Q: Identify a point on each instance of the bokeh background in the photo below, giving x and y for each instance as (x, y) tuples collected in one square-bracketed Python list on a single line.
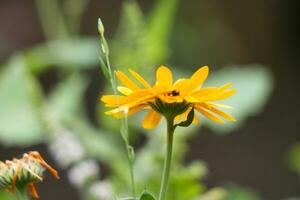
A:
[(259, 155)]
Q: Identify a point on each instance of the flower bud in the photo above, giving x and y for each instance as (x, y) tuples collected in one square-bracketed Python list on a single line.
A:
[(23, 173), (100, 26)]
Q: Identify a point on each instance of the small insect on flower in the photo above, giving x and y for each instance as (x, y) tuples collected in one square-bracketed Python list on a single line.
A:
[(23, 173), (173, 100)]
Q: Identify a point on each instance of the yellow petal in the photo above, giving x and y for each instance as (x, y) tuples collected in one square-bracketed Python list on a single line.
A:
[(164, 77), (187, 86), (126, 81), (223, 95), (151, 119), (199, 77), (183, 117), (207, 90), (219, 105), (184, 86), (219, 112), (114, 100), (191, 99), (124, 90), (196, 119), (140, 78), (226, 86), (122, 113), (209, 115), (132, 101), (205, 94), (140, 97), (128, 106), (140, 93)]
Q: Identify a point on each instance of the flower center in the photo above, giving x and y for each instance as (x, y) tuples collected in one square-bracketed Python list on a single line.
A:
[(174, 93)]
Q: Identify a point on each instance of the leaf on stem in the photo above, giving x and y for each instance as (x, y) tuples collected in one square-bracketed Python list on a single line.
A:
[(147, 196), (189, 119)]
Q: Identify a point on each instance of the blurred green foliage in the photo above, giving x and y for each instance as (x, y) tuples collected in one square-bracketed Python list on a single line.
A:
[(6, 196), (240, 193), (141, 42), (67, 55), (294, 158), (17, 91), (66, 99), (215, 194)]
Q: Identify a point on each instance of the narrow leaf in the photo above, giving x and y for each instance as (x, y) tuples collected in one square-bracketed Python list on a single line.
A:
[(147, 196), (189, 119)]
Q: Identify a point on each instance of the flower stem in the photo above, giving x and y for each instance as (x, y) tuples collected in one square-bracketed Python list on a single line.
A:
[(167, 164), (124, 124), (132, 178), (22, 194), (130, 153)]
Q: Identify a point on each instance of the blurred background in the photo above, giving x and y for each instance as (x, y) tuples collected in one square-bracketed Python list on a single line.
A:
[(50, 83)]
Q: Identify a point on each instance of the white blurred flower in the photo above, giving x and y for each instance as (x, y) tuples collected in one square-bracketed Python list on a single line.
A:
[(102, 190), (83, 171), (66, 148)]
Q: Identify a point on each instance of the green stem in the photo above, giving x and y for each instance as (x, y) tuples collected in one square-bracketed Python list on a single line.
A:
[(168, 159), (22, 194), (131, 175), (124, 125), (130, 154)]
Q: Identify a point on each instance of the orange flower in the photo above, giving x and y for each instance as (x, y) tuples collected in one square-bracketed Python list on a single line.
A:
[(166, 97), (24, 172)]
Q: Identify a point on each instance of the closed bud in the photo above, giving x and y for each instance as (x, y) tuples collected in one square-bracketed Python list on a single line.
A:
[(23, 173), (100, 26)]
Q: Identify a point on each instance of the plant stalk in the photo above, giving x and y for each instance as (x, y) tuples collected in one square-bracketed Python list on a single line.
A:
[(124, 128), (131, 169), (130, 156), (22, 194), (168, 159)]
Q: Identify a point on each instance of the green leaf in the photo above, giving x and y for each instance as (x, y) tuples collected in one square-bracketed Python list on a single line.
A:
[(184, 183), (189, 119), (147, 196), (124, 129), (130, 38), (147, 40), (294, 157), (104, 68), (131, 154), (254, 85), (19, 98), (240, 193), (66, 54), (161, 21), (66, 99)]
